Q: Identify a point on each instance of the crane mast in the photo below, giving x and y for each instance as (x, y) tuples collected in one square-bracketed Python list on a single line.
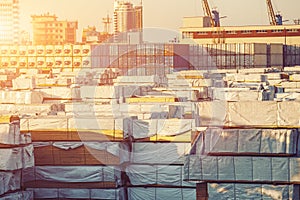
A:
[(275, 19), (207, 12)]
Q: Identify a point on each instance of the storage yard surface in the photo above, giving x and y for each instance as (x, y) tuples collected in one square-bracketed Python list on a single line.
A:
[(92, 133)]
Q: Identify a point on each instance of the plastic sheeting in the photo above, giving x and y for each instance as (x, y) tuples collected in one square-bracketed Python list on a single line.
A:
[(47, 193), (249, 114), (138, 193), (44, 123), (72, 174), (224, 95), (64, 123), (159, 153), (241, 168), (21, 195), (10, 181), (253, 191), (21, 97), (16, 158), (109, 92), (60, 93), (161, 127), (247, 141), (115, 148), (171, 175), (10, 134)]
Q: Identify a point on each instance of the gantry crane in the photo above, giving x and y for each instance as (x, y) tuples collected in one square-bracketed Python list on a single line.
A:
[(275, 19)]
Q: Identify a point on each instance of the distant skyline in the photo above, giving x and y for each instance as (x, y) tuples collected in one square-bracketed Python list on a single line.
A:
[(165, 14)]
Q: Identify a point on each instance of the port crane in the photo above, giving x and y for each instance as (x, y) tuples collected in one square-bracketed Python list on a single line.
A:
[(213, 14), (275, 19)]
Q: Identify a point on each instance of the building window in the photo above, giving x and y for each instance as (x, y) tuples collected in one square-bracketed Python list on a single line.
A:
[(292, 30), (277, 31), (261, 31), (246, 32), (231, 32)]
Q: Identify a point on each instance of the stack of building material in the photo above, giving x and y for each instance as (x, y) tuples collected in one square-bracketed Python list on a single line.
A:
[(190, 85), (153, 80), (16, 153), (155, 170), (109, 93), (60, 93), (157, 148), (257, 156), (75, 157)]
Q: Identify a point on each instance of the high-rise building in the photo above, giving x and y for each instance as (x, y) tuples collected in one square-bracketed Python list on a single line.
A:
[(127, 17), (47, 30), (9, 21)]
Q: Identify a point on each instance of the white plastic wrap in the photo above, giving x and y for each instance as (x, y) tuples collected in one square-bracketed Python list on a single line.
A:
[(248, 141), (10, 181), (71, 174), (16, 158), (159, 153), (45, 193), (138, 193), (252, 191), (171, 175), (10, 134), (243, 168), (160, 127), (20, 195)]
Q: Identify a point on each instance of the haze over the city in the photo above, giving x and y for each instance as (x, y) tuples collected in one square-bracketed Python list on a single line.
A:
[(158, 13)]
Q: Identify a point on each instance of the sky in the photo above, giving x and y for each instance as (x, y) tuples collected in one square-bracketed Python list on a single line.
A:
[(165, 14)]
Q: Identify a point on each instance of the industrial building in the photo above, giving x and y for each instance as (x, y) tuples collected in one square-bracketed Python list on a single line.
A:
[(9, 22), (47, 30), (208, 29)]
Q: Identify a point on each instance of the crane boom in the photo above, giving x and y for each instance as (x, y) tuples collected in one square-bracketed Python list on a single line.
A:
[(207, 12), (271, 13)]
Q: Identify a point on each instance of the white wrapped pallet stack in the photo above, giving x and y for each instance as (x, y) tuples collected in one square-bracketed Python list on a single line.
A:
[(16, 153)]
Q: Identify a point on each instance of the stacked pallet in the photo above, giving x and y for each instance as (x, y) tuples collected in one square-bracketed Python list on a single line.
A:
[(74, 158), (242, 151), (157, 148), (16, 153)]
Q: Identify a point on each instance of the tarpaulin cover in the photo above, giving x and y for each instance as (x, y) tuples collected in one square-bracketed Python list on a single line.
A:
[(10, 181), (222, 94), (161, 127), (47, 193), (16, 158), (20, 195), (44, 123), (21, 97), (242, 168), (109, 92), (71, 174), (115, 148), (159, 153), (171, 175), (138, 193), (249, 114), (61, 92), (10, 134), (252, 191), (247, 141)]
